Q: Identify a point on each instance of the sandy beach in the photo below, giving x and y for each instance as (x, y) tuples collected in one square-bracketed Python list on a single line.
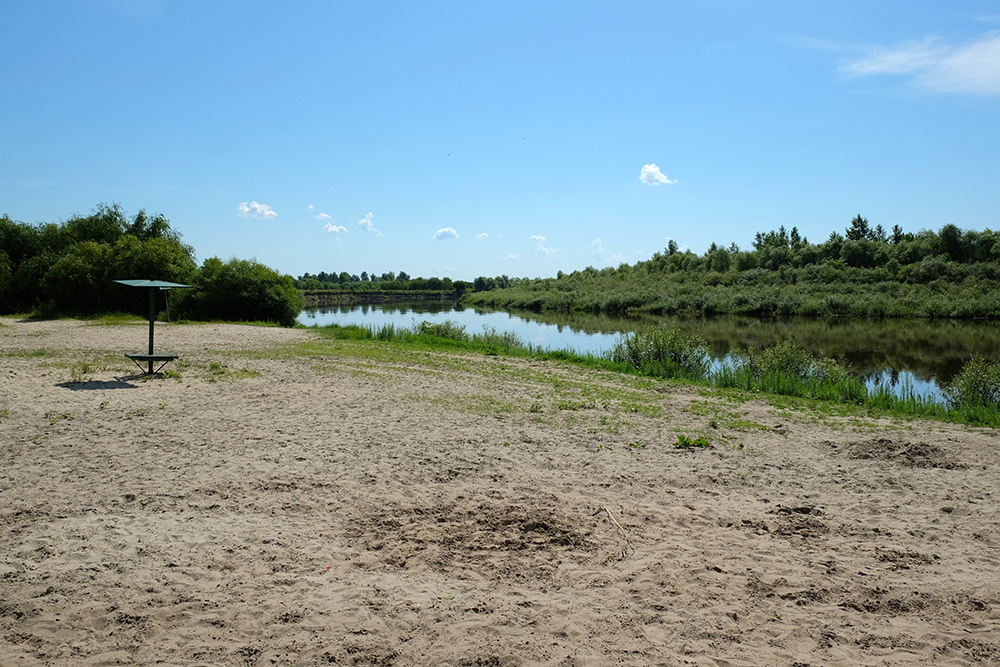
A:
[(279, 499)]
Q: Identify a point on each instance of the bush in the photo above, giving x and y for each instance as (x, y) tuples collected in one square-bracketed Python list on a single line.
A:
[(497, 342), (447, 329), (789, 370), (241, 290), (663, 353), (976, 385)]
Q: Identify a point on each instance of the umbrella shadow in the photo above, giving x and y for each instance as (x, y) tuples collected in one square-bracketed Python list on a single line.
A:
[(88, 385)]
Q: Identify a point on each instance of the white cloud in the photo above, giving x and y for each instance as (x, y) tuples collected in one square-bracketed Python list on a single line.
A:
[(484, 235), (548, 252), (255, 210), (323, 216), (597, 247), (542, 249), (310, 208), (650, 174), (446, 233), (334, 229), (968, 68), (512, 257), (366, 223)]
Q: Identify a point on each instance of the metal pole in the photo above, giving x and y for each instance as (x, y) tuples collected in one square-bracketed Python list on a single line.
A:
[(152, 316)]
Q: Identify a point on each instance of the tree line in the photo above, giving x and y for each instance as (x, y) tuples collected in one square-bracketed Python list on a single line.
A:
[(373, 282), (865, 271), (386, 282), (70, 268)]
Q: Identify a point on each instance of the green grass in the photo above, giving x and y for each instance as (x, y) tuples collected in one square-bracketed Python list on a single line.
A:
[(478, 405), (684, 442), (786, 375), (115, 319), (39, 352)]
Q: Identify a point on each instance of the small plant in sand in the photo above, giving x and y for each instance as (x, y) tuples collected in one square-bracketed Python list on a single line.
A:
[(220, 371), (684, 442), (80, 371), (54, 415)]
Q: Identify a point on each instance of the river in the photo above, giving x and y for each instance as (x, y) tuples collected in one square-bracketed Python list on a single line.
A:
[(926, 353)]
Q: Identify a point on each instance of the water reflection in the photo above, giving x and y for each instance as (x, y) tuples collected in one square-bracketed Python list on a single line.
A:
[(924, 352)]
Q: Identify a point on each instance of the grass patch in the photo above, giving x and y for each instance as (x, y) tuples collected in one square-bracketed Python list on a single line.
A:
[(218, 370), (685, 442), (822, 386), (478, 405), (29, 354), (55, 416), (111, 319)]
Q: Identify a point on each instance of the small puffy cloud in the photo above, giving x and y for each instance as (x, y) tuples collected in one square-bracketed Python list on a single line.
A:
[(484, 235), (937, 66), (446, 233), (542, 248), (255, 210), (366, 224), (334, 229), (598, 249), (310, 208), (323, 216), (512, 257), (650, 174)]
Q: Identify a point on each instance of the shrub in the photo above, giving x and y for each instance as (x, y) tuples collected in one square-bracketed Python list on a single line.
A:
[(241, 290), (447, 329), (976, 385), (498, 341), (664, 353)]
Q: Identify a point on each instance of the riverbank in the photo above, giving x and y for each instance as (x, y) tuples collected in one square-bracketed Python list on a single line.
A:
[(287, 499), (326, 298)]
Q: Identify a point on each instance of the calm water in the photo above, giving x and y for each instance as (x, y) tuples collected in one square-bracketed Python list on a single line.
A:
[(926, 353)]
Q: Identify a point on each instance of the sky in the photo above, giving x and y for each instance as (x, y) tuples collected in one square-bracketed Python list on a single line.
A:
[(462, 139)]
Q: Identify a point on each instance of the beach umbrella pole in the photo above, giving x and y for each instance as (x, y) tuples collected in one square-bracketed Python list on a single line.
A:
[(152, 317)]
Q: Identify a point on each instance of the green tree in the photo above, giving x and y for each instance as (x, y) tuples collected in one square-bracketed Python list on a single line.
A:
[(859, 229), (105, 225), (77, 282), (951, 242), (241, 290)]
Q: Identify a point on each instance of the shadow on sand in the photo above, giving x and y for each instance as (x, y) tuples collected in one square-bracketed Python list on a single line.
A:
[(124, 382)]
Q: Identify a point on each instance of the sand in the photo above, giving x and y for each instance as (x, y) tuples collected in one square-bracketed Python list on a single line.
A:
[(380, 507)]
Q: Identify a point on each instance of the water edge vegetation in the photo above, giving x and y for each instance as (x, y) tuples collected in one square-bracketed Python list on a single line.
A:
[(785, 369)]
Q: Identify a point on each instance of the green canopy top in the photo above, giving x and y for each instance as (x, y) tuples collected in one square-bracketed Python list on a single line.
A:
[(162, 284), (153, 285)]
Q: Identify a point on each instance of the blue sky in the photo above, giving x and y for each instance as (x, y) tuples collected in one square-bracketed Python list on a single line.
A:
[(521, 138)]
